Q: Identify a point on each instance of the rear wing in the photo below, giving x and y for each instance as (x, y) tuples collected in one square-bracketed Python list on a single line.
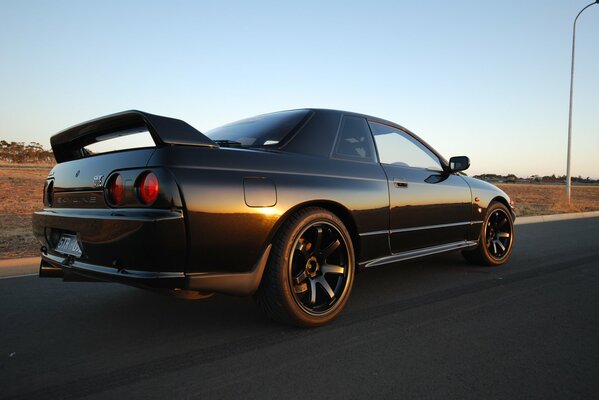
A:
[(69, 144)]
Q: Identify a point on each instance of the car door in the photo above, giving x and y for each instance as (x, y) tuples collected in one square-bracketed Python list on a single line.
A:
[(428, 206)]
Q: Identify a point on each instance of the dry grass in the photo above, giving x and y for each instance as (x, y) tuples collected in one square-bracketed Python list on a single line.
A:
[(539, 199), (21, 194)]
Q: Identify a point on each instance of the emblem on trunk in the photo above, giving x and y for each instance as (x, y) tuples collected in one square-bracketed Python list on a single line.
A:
[(98, 180)]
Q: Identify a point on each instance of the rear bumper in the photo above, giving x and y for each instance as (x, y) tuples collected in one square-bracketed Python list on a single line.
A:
[(68, 265), (137, 247), (113, 240), (240, 284)]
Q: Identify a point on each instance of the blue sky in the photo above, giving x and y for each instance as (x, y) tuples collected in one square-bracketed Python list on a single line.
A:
[(486, 79)]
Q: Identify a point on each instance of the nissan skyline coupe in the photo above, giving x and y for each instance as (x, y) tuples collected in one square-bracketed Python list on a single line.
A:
[(286, 207)]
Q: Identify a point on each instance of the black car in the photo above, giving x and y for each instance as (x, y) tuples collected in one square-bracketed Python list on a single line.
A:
[(284, 206)]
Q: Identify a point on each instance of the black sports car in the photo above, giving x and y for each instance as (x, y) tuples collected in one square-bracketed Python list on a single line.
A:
[(284, 206)]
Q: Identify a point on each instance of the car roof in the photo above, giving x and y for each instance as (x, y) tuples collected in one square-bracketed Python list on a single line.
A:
[(357, 114)]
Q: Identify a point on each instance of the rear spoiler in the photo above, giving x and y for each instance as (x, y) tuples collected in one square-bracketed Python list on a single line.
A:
[(68, 144)]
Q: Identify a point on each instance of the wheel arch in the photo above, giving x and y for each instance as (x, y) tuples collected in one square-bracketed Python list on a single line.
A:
[(334, 207), (505, 202)]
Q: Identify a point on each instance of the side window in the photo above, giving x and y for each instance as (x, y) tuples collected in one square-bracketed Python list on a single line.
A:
[(397, 147), (355, 140)]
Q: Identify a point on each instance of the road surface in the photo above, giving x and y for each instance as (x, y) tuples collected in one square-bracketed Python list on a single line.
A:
[(433, 328)]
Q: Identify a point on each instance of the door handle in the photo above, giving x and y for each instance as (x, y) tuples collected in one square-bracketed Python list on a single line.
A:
[(400, 183)]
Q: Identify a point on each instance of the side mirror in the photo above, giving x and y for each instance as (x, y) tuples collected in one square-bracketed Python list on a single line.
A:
[(459, 163)]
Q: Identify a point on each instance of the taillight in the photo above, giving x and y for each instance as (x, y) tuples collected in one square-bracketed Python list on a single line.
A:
[(48, 192), (116, 189), (147, 188)]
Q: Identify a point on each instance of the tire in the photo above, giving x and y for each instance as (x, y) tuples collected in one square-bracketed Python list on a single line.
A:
[(310, 271), (496, 238)]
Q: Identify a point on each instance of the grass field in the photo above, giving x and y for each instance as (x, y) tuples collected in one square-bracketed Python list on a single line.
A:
[(540, 199), (21, 194)]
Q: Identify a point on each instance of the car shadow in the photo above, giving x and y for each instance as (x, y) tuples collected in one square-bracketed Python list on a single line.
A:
[(131, 309)]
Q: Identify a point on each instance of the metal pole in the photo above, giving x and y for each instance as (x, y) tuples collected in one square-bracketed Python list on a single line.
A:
[(568, 175)]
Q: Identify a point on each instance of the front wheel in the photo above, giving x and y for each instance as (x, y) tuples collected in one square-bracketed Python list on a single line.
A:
[(310, 271), (496, 237)]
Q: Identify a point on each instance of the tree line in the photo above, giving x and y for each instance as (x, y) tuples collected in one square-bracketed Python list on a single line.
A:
[(512, 178), (19, 152)]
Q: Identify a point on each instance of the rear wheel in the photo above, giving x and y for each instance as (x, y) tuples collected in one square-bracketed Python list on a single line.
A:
[(496, 237), (310, 271)]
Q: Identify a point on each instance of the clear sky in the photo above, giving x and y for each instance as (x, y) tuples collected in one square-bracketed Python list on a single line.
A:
[(487, 79)]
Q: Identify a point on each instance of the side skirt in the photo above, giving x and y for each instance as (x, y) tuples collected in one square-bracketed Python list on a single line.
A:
[(408, 255)]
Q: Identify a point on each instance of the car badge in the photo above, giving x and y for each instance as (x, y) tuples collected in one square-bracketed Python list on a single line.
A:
[(98, 180)]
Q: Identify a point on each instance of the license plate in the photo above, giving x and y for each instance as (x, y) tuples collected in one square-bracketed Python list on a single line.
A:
[(68, 245)]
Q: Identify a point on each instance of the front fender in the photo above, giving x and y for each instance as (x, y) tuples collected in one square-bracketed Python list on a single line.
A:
[(483, 193)]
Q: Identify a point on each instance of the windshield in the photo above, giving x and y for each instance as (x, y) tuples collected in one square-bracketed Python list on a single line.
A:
[(262, 130)]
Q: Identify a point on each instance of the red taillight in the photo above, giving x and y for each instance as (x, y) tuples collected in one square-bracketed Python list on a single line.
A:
[(147, 188), (116, 190), (48, 192)]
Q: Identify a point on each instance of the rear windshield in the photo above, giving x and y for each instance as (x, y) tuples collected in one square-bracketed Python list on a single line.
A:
[(262, 130), (122, 140)]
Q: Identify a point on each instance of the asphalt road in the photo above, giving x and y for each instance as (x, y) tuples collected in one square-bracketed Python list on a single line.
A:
[(434, 328)]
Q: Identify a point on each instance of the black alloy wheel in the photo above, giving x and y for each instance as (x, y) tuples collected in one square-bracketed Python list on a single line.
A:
[(319, 268), (498, 235), (310, 270), (496, 238)]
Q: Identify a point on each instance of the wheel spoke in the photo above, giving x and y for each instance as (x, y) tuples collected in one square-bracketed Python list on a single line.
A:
[(503, 235), (330, 249), (500, 245), (494, 247), (332, 269), (325, 285), (301, 288), (318, 242), (301, 247), (300, 277), (312, 291)]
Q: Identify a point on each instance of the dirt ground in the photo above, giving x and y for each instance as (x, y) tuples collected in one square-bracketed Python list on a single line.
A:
[(21, 194), (539, 199)]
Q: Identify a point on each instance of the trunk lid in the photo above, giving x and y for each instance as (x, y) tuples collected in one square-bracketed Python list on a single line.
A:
[(90, 173), (80, 183)]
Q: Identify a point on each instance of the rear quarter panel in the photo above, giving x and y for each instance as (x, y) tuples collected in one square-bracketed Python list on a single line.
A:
[(225, 234)]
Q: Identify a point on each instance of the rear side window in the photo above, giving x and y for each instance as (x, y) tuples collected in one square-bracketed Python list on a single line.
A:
[(355, 140), (262, 130)]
